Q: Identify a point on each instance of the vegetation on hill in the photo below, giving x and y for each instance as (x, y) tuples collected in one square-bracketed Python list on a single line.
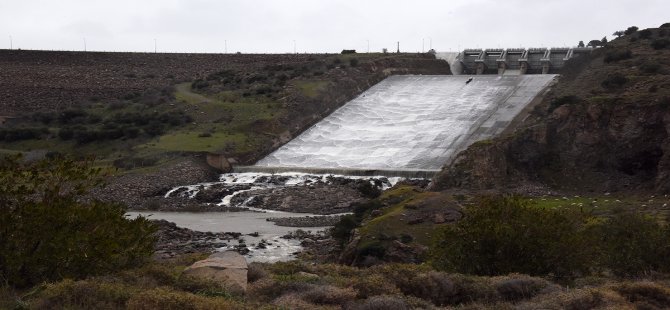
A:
[(602, 127), (298, 285), (48, 231), (243, 108)]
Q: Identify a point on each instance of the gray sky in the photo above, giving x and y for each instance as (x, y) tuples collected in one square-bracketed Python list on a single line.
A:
[(316, 25)]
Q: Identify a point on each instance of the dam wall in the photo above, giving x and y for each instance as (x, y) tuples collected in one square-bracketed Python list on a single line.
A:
[(511, 61), (406, 125)]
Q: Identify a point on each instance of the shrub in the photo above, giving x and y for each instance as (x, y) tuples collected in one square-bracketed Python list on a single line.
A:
[(666, 25), (614, 81), (631, 30), (162, 298), (570, 99), (353, 62), (645, 34), (342, 229), (56, 234), (650, 294), (505, 234), (516, 287), (633, 244), (199, 84), (383, 303), (18, 134), (660, 43), (617, 55), (66, 133), (256, 272), (86, 294), (444, 289), (650, 67), (328, 295)]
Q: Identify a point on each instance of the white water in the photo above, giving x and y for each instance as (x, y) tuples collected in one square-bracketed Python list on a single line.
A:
[(409, 123), (255, 220), (402, 123)]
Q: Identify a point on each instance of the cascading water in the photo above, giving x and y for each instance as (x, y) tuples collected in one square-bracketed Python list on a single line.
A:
[(404, 126), (407, 124)]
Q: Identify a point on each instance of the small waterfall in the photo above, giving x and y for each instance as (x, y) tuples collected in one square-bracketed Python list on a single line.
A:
[(452, 59)]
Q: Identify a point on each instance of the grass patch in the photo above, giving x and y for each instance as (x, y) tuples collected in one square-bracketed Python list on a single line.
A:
[(310, 88)]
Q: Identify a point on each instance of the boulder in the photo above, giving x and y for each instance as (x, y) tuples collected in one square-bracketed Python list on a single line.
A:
[(229, 269)]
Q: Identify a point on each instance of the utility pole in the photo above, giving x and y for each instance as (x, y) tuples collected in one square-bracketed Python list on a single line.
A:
[(368, 46), (11, 44), (84, 44), (155, 47), (423, 45), (398, 47), (225, 46), (295, 50), (431, 42)]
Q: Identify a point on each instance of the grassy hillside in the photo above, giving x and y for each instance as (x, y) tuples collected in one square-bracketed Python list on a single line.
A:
[(142, 110)]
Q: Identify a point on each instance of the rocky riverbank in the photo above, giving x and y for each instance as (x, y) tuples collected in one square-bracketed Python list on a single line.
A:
[(173, 240), (307, 221)]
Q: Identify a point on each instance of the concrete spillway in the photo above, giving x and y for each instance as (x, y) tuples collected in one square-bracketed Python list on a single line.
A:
[(407, 125)]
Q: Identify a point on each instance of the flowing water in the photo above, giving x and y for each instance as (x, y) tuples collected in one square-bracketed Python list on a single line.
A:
[(255, 220), (409, 123), (405, 125)]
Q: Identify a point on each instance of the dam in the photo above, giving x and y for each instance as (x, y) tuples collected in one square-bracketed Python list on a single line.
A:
[(512, 61), (407, 126)]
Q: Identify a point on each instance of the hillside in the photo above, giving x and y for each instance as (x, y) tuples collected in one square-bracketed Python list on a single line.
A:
[(52, 99), (154, 116), (603, 127)]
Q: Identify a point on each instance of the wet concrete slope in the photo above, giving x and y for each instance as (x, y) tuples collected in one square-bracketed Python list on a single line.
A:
[(407, 125)]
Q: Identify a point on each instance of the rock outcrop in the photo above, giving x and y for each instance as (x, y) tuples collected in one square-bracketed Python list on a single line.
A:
[(229, 269)]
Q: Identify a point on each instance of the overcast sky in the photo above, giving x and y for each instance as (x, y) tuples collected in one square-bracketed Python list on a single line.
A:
[(316, 25)]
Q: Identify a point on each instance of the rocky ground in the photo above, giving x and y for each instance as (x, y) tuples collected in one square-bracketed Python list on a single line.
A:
[(139, 190), (307, 221), (319, 198), (173, 240)]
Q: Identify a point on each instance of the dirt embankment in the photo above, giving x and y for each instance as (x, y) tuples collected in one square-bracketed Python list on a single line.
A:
[(603, 127), (46, 80)]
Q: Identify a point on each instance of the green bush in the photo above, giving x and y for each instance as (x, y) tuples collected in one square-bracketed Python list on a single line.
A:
[(617, 55), (660, 43), (501, 235), (18, 134), (633, 244), (645, 34), (48, 232), (650, 68), (631, 30)]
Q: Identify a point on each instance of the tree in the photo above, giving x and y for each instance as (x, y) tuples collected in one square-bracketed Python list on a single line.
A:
[(603, 41), (618, 33), (581, 44), (631, 30), (595, 43), (50, 230)]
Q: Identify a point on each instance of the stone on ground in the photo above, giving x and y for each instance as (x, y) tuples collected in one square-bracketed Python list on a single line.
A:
[(229, 269)]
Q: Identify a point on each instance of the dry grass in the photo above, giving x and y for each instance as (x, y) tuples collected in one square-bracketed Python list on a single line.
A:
[(296, 285)]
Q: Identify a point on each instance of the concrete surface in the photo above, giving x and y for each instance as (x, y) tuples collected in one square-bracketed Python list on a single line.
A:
[(408, 123)]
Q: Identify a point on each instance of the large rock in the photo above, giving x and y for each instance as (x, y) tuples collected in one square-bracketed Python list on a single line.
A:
[(229, 269)]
